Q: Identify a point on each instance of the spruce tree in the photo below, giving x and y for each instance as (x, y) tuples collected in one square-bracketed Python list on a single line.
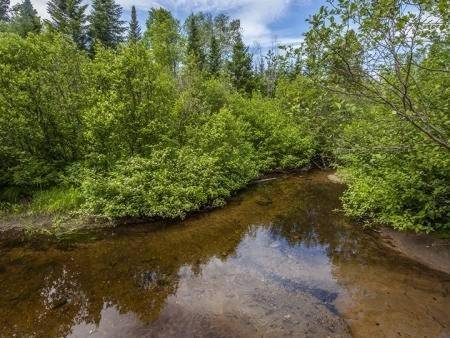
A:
[(4, 9), (68, 17), (214, 57), (105, 25), (25, 19), (134, 31), (240, 67), (194, 45)]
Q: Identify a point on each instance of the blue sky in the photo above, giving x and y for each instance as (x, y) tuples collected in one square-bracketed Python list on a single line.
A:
[(262, 20)]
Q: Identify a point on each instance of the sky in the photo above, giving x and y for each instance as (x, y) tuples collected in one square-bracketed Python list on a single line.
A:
[(262, 21)]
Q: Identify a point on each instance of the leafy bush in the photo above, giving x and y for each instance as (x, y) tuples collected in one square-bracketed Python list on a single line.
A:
[(321, 115), (42, 96), (279, 141), (130, 103), (395, 177), (172, 182)]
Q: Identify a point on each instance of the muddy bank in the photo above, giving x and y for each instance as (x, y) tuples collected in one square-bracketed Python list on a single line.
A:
[(15, 226), (23, 227), (427, 249)]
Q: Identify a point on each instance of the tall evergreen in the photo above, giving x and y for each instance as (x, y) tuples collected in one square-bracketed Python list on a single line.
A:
[(105, 25), (4, 9), (214, 57), (68, 17), (194, 45), (134, 31), (25, 19), (240, 67)]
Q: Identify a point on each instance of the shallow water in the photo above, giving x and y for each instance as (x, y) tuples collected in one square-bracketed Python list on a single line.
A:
[(279, 260)]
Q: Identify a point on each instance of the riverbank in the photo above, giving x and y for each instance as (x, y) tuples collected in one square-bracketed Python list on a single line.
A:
[(427, 249), (24, 226), (21, 224)]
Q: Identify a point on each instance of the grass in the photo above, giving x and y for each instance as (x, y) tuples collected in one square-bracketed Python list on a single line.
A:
[(56, 200)]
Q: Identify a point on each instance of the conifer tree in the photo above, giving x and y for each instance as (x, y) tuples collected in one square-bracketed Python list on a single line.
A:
[(68, 17), (134, 31), (240, 67), (194, 44), (25, 19), (214, 59), (105, 25), (4, 9)]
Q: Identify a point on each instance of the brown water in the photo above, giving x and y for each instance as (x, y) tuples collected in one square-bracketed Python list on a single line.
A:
[(277, 261)]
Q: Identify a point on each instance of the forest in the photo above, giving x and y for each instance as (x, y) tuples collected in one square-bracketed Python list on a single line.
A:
[(104, 118)]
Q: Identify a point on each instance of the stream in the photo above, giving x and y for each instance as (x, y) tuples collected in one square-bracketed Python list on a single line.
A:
[(280, 260)]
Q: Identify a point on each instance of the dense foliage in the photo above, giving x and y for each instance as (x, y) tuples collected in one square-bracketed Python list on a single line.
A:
[(392, 67), (119, 130), (178, 117)]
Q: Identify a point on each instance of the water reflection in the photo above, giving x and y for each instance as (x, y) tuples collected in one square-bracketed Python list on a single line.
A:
[(277, 261)]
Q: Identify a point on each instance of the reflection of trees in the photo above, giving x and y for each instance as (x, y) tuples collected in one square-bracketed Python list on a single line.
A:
[(317, 221), (46, 292)]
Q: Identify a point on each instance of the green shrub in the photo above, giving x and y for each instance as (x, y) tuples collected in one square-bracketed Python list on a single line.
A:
[(171, 182), (10, 194), (279, 141), (395, 177), (42, 97)]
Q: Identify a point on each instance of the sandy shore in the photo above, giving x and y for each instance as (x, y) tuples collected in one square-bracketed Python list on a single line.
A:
[(426, 249)]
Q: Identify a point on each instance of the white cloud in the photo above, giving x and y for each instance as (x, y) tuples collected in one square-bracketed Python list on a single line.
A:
[(256, 15), (39, 5)]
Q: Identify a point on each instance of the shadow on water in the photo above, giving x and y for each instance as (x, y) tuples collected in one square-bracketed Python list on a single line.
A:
[(278, 260)]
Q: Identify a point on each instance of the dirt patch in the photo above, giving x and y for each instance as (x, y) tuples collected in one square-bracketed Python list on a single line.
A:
[(14, 226), (30, 225), (426, 249)]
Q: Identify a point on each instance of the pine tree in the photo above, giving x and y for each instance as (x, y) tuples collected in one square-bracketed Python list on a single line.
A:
[(194, 45), (68, 17), (240, 67), (134, 31), (214, 59), (105, 26), (25, 19), (4, 9)]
